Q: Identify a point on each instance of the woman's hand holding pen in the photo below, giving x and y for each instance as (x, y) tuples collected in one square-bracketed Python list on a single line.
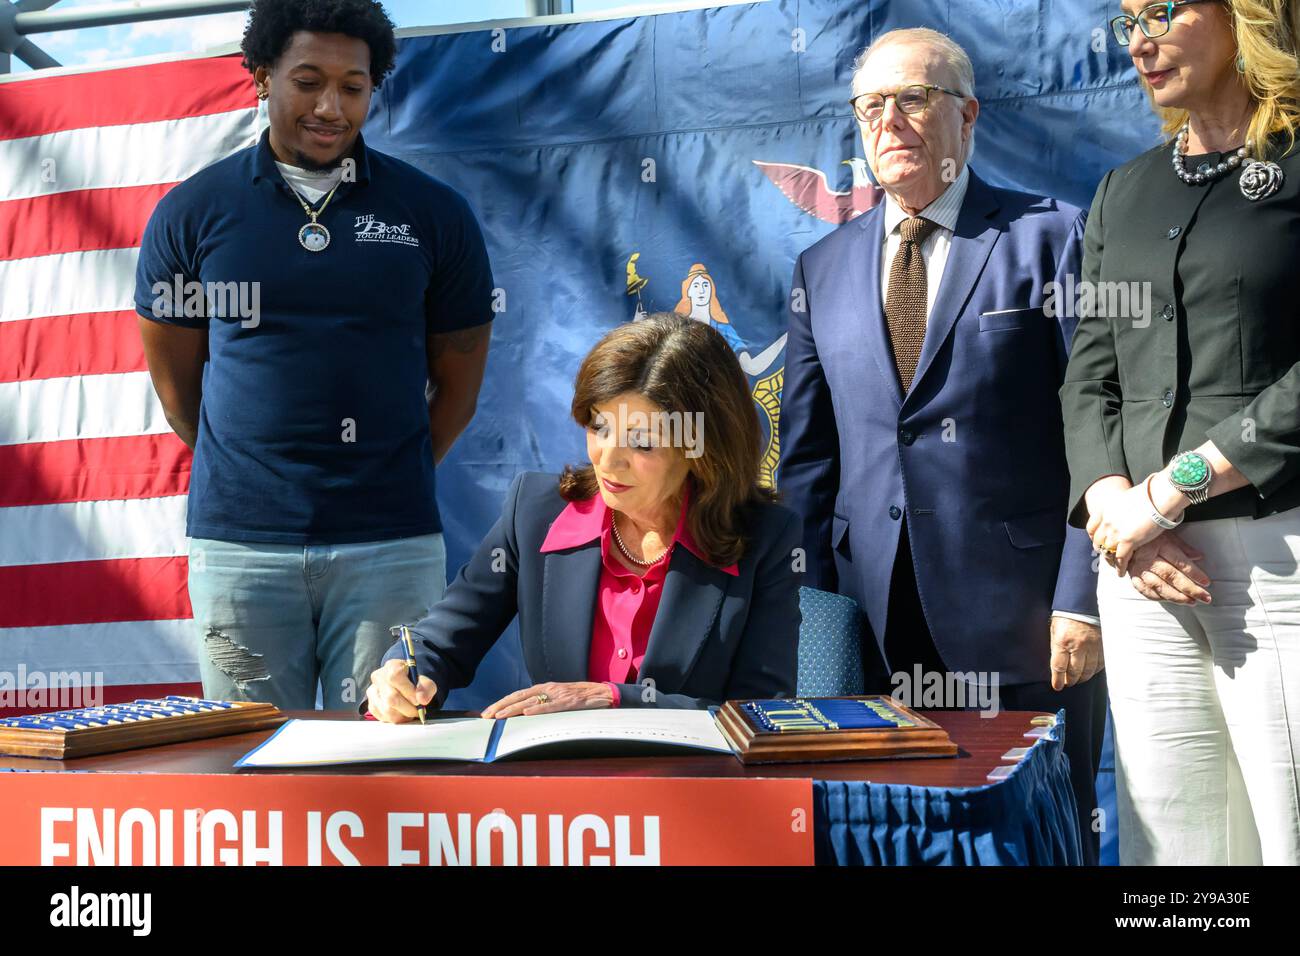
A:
[(392, 697)]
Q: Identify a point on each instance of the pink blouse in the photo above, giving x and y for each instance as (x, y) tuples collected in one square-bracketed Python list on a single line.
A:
[(626, 602)]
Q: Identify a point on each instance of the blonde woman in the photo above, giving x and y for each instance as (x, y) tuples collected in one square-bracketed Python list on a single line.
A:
[(1187, 417)]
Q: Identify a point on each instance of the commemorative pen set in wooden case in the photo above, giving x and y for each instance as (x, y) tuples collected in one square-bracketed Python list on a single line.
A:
[(807, 729), (141, 723)]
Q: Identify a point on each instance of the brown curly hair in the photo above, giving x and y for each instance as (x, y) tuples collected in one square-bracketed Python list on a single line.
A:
[(683, 366)]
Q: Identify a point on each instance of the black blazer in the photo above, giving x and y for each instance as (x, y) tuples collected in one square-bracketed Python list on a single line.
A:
[(715, 637), (1218, 356)]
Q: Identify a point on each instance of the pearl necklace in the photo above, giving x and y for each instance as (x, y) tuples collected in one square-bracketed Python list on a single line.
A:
[(1206, 172), (618, 539), (1259, 179)]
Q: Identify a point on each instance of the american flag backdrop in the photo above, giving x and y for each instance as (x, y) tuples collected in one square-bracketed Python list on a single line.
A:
[(92, 479)]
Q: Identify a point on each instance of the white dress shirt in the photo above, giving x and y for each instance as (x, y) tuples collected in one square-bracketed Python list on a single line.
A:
[(943, 213)]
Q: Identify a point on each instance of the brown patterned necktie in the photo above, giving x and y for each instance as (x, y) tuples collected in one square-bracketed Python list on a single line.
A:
[(906, 299)]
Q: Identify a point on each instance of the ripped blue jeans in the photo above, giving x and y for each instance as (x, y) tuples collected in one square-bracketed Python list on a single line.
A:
[(277, 622)]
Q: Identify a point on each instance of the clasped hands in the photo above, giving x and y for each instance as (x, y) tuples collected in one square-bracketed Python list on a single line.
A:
[(1160, 564), (392, 699)]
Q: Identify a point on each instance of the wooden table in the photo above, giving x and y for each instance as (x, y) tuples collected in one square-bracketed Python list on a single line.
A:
[(982, 742), (687, 808)]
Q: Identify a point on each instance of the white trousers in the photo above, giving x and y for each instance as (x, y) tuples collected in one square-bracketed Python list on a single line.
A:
[(1206, 702)]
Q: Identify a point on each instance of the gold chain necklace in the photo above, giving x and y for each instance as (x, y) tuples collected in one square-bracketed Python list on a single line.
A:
[(313, 236)]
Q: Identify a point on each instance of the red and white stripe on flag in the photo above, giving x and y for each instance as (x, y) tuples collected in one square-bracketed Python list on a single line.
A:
[(92, 479)]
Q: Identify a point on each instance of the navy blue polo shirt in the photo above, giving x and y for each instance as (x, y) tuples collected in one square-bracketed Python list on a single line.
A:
[(314, 427)]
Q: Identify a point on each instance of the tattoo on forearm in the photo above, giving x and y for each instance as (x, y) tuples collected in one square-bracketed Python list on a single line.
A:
[(462, 341)]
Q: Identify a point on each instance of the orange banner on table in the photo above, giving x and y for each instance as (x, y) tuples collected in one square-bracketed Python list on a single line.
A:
[(89, 819)]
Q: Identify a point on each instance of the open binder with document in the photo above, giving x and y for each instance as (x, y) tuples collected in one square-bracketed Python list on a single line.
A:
[(775, 730), (306, 743)]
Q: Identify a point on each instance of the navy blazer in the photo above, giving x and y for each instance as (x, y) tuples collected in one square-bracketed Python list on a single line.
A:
[(972, 458), (715, 637)]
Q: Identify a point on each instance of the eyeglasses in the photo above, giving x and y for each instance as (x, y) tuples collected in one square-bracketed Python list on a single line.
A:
[(1154, 21), (869, 107)]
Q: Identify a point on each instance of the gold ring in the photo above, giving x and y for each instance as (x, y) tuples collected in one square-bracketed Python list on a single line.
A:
[(542, 698)]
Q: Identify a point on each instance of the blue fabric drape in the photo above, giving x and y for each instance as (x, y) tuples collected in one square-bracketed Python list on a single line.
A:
[(1027, 819), (583, 145)]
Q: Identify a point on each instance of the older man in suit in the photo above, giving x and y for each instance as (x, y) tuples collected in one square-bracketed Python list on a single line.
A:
[(921, 431)]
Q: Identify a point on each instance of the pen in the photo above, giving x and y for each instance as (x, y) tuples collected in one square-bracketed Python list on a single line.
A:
[(411, 672)]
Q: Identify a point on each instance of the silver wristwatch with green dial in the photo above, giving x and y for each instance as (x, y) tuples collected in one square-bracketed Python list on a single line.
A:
[(1189, 472)]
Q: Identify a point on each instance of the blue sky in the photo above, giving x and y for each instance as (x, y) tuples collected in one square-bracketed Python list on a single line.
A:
[(105, 44)]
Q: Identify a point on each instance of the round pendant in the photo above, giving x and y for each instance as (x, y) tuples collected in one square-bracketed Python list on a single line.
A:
[(314, 237)]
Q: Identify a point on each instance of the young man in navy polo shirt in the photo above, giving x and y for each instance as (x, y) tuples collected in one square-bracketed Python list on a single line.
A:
[(295, 300)]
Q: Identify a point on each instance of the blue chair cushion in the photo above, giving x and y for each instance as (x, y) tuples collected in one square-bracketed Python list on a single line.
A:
[(830, 645)]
